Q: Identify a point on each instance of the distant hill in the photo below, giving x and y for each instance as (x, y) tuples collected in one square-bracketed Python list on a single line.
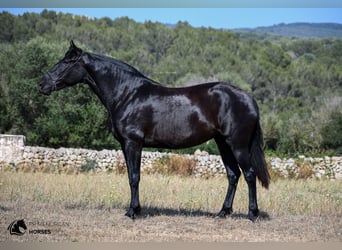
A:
[(302, 30)]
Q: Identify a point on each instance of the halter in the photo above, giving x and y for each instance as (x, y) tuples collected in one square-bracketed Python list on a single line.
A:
[(65, 71)]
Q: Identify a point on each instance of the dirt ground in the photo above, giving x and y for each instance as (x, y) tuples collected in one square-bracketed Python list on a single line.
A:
[(49, 223)]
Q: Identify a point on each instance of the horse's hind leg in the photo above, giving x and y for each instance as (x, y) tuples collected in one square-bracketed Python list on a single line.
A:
[(242, 157), (233, 174)]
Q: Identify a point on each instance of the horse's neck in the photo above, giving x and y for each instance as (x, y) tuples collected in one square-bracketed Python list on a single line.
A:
[(110, 82)]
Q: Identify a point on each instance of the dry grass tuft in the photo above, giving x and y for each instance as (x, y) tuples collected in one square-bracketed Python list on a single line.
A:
[(120, 165), (174, 165), (275, 174), (305, 171), (181, 165)]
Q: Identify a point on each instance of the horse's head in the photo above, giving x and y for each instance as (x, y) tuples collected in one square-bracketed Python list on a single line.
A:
[(22, 224), (66, 72)]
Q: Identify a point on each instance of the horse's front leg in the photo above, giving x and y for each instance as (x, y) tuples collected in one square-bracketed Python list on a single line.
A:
[(132, 151)]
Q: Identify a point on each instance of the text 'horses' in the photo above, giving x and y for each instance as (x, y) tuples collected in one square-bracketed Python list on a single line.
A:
[(143, 113)]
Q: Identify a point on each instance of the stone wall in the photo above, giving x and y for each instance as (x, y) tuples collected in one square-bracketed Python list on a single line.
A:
[(15, 153)]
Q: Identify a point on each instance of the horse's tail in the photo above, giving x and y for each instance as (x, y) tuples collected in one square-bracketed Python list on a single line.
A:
[(258, 158)]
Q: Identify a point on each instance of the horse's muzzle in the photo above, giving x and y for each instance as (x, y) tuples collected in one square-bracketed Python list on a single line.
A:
[(44, 86)]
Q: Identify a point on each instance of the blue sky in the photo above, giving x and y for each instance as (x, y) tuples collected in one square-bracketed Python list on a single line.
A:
[(227, 18)]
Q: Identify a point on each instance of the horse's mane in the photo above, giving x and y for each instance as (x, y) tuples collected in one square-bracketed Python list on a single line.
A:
[(121, 65)]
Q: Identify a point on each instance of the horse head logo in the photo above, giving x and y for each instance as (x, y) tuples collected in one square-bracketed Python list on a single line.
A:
[(17, 227)]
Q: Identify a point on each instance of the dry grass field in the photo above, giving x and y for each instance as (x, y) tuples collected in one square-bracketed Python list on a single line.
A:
[(91, 207)]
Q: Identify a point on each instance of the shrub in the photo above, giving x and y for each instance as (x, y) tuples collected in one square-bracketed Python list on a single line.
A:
[(89, 165)]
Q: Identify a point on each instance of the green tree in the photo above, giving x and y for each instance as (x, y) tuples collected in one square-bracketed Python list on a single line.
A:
[(6, 27), (332, 133)]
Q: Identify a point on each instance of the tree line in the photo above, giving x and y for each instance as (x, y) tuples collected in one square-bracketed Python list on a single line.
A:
[(296, 82)]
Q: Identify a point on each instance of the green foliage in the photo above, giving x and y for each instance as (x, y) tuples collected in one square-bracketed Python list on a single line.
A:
[(291, 79), (75, 118), (89, 165), (332, 133)]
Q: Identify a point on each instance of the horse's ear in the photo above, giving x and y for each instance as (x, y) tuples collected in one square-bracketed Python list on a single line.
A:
[(72, 44), (73, 47)]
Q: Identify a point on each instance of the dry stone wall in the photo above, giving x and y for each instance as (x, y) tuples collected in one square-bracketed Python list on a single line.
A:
[(14, 153)]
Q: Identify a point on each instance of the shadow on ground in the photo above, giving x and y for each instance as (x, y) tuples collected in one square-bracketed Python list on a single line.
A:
[(263, 216), (156, 211)]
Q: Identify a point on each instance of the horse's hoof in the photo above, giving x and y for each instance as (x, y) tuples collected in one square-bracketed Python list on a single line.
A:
[(221, 215), (133, 212), (224, 212), (137, 210), (253, 215), (130, 215)]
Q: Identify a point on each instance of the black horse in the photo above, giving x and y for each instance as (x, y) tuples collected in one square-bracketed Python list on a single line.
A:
[(143, 113)]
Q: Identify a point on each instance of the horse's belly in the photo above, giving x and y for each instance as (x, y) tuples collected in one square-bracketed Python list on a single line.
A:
[(175, 142), (179, 133)]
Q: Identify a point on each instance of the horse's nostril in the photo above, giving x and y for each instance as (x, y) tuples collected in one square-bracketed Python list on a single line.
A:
[(42, 81)]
